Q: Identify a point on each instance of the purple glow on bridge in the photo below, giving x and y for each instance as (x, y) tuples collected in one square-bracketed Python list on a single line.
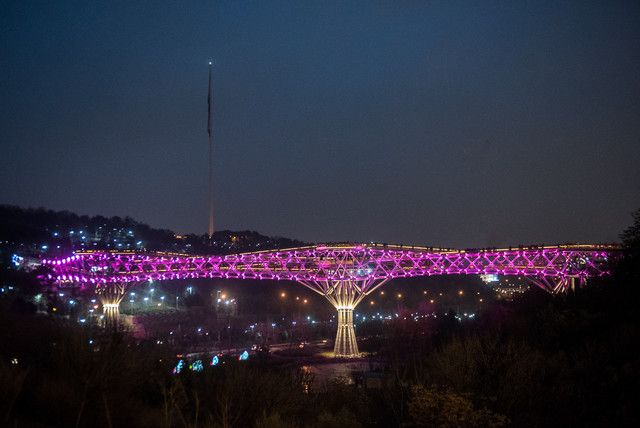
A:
[(344, 274), (334, 263)]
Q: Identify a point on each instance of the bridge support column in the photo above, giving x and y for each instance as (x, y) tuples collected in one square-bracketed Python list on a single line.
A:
[(111, 313), (110, 295), (346, 344), (559, 284), (345, 295)]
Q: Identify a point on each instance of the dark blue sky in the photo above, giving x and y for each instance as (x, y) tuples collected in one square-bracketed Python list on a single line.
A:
[(444, 123)]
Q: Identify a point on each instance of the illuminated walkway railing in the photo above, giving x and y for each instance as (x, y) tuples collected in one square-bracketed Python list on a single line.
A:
[(345, 273)]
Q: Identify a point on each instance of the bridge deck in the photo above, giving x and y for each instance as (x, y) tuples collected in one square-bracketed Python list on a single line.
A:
[(335, 262)]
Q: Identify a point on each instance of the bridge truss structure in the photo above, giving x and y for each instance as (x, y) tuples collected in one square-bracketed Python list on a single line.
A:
[(343, 273)]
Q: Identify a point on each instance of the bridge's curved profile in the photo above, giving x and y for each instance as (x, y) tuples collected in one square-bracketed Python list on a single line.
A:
[(343, 273)]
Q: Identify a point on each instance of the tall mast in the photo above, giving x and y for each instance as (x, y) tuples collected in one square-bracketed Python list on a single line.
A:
[(210, 160)]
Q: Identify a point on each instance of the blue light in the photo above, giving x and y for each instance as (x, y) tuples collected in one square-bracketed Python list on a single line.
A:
[(215, 360), (17, 260), (178, 367), (197, 366), (244, 356)]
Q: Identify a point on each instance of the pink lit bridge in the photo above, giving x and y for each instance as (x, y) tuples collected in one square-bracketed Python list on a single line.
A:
[(343, 273)]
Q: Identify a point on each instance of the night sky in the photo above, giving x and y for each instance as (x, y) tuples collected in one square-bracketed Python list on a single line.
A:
[(440, 123)]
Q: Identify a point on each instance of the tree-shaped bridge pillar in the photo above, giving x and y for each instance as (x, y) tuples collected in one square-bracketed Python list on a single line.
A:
[(110, 295), (558, 284), (346, 344), (345, 295)]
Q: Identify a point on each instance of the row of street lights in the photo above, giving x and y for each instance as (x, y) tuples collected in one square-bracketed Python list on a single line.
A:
[(148, 300)]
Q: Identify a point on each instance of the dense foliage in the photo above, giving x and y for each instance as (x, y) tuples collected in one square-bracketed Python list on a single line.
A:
[(543, 361)]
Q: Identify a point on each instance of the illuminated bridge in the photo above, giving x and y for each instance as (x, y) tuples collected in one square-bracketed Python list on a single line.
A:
[(343, 273)]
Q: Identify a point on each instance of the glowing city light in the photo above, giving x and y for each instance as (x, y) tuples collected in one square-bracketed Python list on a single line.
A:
[(178, 368)]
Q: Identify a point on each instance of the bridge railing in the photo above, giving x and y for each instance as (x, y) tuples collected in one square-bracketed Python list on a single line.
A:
[(334, 262)]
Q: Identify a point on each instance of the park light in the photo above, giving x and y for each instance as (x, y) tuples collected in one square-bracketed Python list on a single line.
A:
[(283, 295)]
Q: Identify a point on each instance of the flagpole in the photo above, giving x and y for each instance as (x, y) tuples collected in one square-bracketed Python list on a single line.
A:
[(210, 160)]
